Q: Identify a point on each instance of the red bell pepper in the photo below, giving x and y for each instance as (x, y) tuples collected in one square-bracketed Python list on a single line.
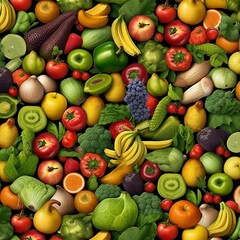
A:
[(178, 58), (92, 163), (74, 41), (198, 36), (149, 171)]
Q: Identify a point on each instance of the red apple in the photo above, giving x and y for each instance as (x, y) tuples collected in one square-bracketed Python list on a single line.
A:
[(141, 28), (233, 205), (50, 172), (165, 13)]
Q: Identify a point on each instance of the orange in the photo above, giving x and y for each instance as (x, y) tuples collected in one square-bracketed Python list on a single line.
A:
[(228, 46), (237, 90), (212, 19), (73, 182), (85, 201), (10, 199)]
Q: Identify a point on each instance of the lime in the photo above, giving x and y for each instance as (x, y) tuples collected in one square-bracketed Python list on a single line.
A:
[(13, 46), (233, 142)]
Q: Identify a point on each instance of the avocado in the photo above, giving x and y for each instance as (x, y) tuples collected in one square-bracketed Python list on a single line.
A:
[(57, 38), (6, 79), (8, 105), (36, 36), (98, 84)]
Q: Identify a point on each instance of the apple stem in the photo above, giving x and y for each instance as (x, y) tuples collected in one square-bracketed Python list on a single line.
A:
[(50, 169), (142, 25)]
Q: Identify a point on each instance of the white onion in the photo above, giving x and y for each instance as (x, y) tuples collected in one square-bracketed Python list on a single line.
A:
[(49, 84), (209, 214)]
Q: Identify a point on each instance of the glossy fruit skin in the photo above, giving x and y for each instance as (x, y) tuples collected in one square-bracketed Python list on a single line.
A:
[(46, 145), (149, 187), (32, 234), (234, 61), (56, 70), (76, 74), (208, 197), (149, 171), (13, 91), (172, 108), (167, 232), (212, 33), (166, 204), (176, 33), (74, 118), (198, 232), (197, 151), (56, 237), (165, 14), (116, 127), (151, 103), (19, 76), (21, 224), (21, 5), (158, 37), (69, 139), (134, 70), (46, 11), (181, 110), (217, 199)]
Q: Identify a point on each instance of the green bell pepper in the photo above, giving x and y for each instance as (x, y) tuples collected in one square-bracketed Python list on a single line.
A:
[(233, 5), (108, 58)]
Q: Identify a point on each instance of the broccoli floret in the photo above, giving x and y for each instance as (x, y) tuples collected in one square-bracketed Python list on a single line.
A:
[(95, 139), (148, 204), (222, 102), (107, 191)]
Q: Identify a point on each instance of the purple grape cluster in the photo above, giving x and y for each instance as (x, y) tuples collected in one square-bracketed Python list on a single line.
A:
[(136, 98)]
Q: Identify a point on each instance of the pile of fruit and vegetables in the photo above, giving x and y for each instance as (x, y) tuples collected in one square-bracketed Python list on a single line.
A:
[(119, 119)]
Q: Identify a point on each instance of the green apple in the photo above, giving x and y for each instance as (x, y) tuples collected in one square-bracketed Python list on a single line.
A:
[(54, 104), (220, 183), (196, 233), (80, 59), (232, 167), (157, 86)]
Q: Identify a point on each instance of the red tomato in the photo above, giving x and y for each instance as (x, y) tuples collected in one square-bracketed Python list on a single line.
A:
[(56, 237), (74, 118), (172, 108), (177, 33), (181, 110), (158, 37), (69, 139), (167, 232), (21, 5), (13, 91), (134, 70), (212, 33), (46, 145), (85, 76), (217, 199), (32, 234), (220, 150), (197, 151), (166, 204), (76, 74), (165, 13), (21, 224), (56, 70), (208, 197), (149, 187), (116, 127)]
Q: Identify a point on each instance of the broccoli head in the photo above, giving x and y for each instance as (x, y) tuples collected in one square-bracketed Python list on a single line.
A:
[(95, 139), (107, 191), (222, 102)]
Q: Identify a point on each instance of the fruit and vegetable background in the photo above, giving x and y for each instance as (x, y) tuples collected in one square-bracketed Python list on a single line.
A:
[(119, 119)]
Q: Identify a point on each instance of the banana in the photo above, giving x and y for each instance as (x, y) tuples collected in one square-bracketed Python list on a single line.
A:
[(14, 16), (110, 153), (114, 30), (127, 142), (92, 21), (3, 13), (152, 145), (128, 44), (234, 221), (10, 16), (100, 9)]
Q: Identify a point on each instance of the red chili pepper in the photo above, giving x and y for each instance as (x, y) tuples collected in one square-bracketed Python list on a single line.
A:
[(178, 58), (149, 171), (92, 163)]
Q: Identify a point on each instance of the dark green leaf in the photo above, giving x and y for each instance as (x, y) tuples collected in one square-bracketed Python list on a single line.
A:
[(191, 196), (6, 231), (147, 232), (175, 93), (5, 214), (129, 234), (61, 131), (199, 197), (52, 128)]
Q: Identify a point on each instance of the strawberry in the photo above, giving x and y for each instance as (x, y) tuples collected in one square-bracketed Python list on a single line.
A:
[(71, 165), (116, 127), (151, 103), (74, 41)]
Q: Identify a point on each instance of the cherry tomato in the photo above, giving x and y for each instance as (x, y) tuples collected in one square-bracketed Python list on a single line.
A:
[(13, 91), (208, 197), (197, 151), (181, 110), (166, 204), (172, 108), (21, 223), (85, 76), (74, 118), (56, 70), (217, 199), (165, 13), (220, 150), (227, 153), (46, 145), (149, 187), (166, 231), (69, 139), (158, 37), (21, 5), (212, 33), (76, 74)]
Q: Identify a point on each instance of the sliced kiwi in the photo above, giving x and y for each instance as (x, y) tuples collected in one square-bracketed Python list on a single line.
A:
[(98, 84), (8, 105)]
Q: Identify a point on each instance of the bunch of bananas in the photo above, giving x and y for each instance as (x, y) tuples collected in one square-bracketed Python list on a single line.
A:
[(122, 38), (130, 149), (225, 222), (7, 16), (95, 17)]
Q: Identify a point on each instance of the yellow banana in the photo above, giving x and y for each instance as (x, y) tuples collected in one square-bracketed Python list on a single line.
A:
[(100, 9), (234, 222), (3, 13), (152, 145), (92, 21), (220, 220), (141, 160), (110, 153), (6, 21), (13, 18), (114, 30), (128, 142), (128, 44)]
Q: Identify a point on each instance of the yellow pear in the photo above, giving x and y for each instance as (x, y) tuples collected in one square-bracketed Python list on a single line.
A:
[(117, 91)]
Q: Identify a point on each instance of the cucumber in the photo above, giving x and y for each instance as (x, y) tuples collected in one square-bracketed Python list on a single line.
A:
[(95, 36)]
